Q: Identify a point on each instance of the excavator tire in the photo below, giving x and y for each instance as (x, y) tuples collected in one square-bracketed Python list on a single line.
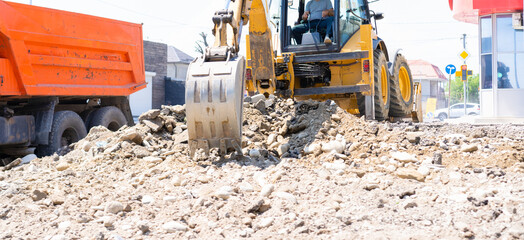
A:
[(401, 89), (381, 83)]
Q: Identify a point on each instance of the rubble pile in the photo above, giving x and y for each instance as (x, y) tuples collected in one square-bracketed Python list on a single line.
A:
[(309, 170)]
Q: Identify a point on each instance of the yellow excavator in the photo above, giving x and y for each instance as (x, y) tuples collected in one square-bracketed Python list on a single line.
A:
[(353, 69)]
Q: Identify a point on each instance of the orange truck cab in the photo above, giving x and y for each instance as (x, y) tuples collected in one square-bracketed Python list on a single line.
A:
[(62, 73)]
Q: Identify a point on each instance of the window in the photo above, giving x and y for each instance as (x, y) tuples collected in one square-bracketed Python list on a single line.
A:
[(352, 13), (486, 33), (510, 53), (458, 106), (486, 29)]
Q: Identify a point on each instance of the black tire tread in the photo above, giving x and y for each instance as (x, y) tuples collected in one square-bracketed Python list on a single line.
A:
[(59, 118), (381, 109), (105, 115), (399, 107)]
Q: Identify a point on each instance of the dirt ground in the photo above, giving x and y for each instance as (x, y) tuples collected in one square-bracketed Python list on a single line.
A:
[(309, 170)]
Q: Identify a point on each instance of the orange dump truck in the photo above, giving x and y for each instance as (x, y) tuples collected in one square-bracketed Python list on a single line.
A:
[(62, 73)]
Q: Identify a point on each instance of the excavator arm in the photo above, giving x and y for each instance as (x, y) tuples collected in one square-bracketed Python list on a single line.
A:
[(215, 81)]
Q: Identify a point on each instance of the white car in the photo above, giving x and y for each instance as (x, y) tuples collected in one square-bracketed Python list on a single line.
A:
[(457, 110)]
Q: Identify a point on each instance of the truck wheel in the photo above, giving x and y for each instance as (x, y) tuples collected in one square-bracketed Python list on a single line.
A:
[(86, 116), (381, 82), (442, 116), (67, 128), (401, 88), (110, 117)]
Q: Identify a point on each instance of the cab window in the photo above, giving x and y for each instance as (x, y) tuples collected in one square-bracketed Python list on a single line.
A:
[(352, 15)]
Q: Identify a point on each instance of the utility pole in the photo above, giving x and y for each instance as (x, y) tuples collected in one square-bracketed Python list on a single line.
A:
[(465, 84)]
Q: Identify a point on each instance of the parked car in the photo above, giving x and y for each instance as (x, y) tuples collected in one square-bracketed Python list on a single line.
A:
[(457, 110)]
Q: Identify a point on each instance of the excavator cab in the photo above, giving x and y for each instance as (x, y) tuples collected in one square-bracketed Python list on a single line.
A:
[(351, 15)]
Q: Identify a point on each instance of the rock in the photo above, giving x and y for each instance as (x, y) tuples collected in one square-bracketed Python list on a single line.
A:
[(59, 237), (38, 195), (170, 198), (336, 117), (371, 186), (151, 159), (331, 146), (267, 190), (64, 225), (155, 125), (143, 226), (469, 148), (177, 180), (414, 137), (283, 149), (255, 205), (410, 205), (287, 196), (257, 98), (337, 165), (261, 106), (224, 192), (254, 153), (28, 158), (181, 138), (130, 135), (173, 226), (62, 166), (108, 221), (114, 207), (437, 158), (265, 222), (246, 187), (312, 148), (147, 199), (404, 157), (271, 139), (12, 164), (149, 115), (423, 170), (408, 173)]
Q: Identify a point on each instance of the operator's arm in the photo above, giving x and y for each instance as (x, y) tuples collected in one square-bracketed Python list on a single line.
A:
[(328, 13), (305, 16)]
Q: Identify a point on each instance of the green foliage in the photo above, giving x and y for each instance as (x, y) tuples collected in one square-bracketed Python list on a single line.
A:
[(457, 90)]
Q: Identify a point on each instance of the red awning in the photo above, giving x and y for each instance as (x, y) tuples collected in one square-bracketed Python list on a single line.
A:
[(469, 10)]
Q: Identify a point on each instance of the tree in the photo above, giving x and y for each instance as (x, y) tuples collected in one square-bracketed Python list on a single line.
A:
[(201, 45), (457, 90)]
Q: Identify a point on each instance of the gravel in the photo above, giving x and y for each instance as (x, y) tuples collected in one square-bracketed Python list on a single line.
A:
[(310, 171)]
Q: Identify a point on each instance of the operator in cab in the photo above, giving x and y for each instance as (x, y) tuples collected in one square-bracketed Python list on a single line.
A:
[(318, 14)]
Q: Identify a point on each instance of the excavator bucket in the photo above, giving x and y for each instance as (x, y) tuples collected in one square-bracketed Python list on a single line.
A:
[(214, 98)]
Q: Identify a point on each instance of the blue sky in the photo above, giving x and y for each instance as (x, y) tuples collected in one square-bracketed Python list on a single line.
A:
[(424, 29)]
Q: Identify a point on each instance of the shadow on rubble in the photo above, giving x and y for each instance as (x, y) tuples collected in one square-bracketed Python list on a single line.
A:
[(297, 123)]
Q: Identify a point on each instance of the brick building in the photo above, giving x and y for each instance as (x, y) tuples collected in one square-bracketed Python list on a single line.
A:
[(167, 62)]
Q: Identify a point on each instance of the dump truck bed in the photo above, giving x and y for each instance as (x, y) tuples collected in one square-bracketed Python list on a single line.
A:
[(48, 52)]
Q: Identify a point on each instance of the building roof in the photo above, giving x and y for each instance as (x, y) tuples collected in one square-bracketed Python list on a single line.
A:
[(423, 70), (175, 55)]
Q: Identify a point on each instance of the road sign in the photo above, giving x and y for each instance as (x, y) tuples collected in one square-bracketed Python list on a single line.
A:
[(464, 55), (451, 69)]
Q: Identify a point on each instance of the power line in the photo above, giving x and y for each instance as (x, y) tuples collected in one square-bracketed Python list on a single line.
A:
[(147, 15)]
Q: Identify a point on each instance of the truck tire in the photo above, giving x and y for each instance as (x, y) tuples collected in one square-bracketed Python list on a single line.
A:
[(67, 128), (401, 89), (110, 117), (442, 116), (381, 83)]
